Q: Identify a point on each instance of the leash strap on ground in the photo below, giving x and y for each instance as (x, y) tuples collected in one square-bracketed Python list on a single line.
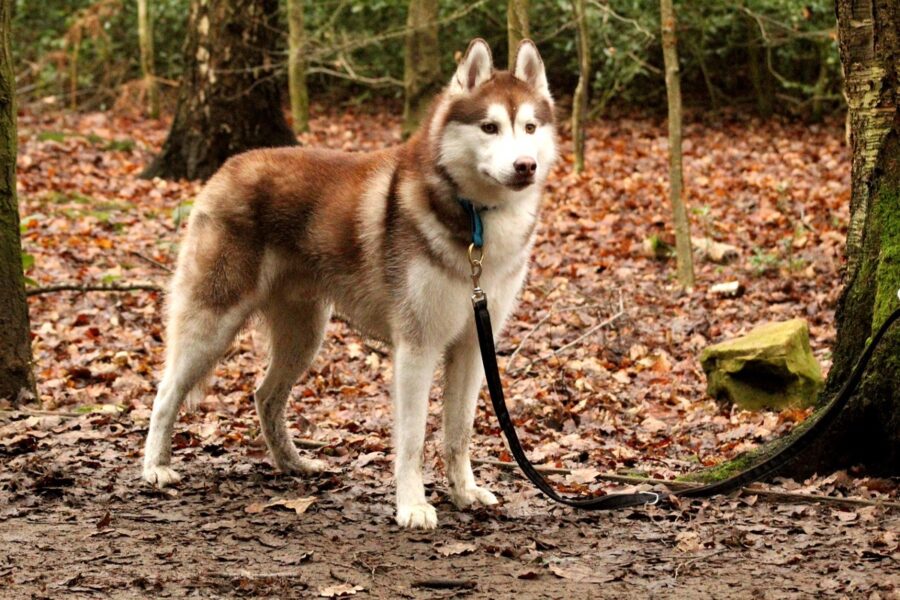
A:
[(495, 387), (615, 501)]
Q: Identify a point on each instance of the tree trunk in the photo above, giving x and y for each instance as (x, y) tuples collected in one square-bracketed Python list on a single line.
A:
[(422, 61), (145, 40), (229, 100), (761, 78), (580, 99), (16, 380), (868, 430), (676, 181), (297, 67), (517, 27)]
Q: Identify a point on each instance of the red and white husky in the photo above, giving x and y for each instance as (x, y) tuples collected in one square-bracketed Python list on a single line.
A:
[(294, 234)]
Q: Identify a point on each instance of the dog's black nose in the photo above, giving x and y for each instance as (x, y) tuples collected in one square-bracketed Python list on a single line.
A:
[(525, 165)]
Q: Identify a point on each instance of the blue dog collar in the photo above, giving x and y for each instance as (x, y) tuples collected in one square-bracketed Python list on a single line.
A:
[(475, 218)]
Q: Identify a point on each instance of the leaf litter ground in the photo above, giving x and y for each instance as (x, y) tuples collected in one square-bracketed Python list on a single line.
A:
[(602, 374)]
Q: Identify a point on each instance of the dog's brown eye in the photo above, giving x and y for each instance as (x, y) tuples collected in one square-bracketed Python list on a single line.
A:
[(489, 128), (530, 128)]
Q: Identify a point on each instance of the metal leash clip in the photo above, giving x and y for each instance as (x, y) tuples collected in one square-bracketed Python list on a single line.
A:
[(475, 264)]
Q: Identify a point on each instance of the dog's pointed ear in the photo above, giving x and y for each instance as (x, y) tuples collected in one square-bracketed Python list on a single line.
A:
[(475, 68), (530, 68)]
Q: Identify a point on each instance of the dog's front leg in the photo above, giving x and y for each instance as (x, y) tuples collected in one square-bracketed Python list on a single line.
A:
[(413, 372), (462, 380)]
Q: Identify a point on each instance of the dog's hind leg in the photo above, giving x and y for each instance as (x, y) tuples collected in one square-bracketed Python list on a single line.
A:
[(295, 335), (198, 337)]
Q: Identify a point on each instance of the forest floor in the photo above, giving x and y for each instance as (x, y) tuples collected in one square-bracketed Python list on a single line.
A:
[(76, 521)]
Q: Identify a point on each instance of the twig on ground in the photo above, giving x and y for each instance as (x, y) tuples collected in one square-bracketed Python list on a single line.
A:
[(112, 287), (528, 335), (444, 584), (691, 561), (558, 351), (773, 495), (40, 413), (147, 259), (311, 444), (590, 331)]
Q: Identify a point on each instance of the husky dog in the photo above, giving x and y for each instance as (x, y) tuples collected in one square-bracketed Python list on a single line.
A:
[(292, 234)]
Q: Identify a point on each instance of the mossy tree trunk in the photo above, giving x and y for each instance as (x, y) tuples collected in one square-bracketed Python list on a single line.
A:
[(685, 264), (297, 66), (580, 99), (145, 41), (421, 61), (868, 430), (517, 27), (16, 380), (230, 98)]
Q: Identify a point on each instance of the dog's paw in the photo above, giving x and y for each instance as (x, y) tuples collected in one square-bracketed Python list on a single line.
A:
[(417, 516), (161, 476), (472, 495)]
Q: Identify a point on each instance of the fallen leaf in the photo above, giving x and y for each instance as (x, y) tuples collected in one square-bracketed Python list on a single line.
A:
[(585, 475), (582, 573), (457, 548), (846, 516), (688, 541), (298, 505), (341, 590)]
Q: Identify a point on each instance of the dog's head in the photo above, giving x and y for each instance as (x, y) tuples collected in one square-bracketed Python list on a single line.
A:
[(498, 134)]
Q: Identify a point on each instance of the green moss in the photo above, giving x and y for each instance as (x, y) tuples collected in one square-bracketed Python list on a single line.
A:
[(887, 274), (67, 197), (120, 145), (724, 470), (51, 136), (745, 461)]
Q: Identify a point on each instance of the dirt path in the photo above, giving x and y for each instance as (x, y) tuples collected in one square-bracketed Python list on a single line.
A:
[(76, 523)]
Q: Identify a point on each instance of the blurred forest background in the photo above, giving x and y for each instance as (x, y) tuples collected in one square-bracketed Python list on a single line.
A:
[(759, 56)]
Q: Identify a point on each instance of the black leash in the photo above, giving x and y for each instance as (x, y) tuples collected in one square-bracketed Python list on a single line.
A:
[(489, 358), (615, 501)]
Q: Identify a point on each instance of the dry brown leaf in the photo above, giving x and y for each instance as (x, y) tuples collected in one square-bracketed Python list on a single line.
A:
[(585, 475), (582, 573), (340, 590), (298, 505), (457, 549), (688, 541)]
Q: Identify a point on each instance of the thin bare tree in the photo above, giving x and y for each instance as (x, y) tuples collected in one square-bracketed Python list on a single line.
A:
[(422, 61), (580, 99), (145, 41), (517, 26), (685, 261), (16, 379), (297, 66)]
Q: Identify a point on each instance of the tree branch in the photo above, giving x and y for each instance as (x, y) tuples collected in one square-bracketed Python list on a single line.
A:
[(112, 287)]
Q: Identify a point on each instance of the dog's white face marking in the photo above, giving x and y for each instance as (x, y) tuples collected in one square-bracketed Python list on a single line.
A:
[(520, 141), (498, 139), (502, 150)]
